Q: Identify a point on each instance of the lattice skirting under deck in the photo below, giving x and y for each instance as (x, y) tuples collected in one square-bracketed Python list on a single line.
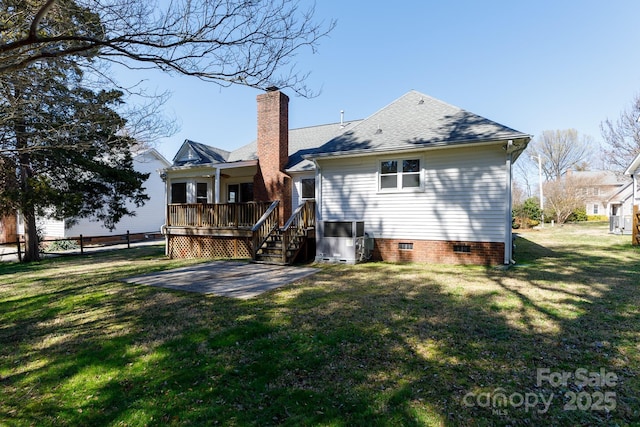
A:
[(208, 247)]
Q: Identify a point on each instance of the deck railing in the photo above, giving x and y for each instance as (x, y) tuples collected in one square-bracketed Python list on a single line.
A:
[(265, 225), (222, 215), (301, 219)]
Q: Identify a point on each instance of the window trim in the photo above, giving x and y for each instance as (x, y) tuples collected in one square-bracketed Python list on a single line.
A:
[(239, 193), (302, 188), (399, 175), (186, 192), (206, 195)]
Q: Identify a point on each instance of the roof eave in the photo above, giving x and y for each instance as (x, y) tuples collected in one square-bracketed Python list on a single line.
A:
[(635, 164), (431, 146), (229, 165)]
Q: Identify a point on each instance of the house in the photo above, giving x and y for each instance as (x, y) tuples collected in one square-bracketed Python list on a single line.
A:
[(608, 194), (634, 171), (8, 229), (148, 219), (424, 180)]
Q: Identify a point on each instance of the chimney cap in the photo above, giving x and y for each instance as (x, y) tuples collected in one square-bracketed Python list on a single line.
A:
[(272, 88)]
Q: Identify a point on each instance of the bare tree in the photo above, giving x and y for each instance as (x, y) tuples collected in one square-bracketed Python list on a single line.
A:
[(561, 151), (246, 42), (567, 194), (523, 171), (622, 137)]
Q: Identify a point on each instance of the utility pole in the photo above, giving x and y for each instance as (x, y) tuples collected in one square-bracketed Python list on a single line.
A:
[(540, 185)]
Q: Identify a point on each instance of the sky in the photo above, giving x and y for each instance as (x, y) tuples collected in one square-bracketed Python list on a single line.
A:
[(530, 65)]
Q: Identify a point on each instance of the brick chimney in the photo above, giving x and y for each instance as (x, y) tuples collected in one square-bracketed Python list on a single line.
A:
[(271, 183)]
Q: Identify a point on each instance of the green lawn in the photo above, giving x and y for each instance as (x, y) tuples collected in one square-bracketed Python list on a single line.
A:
[(372, 344)]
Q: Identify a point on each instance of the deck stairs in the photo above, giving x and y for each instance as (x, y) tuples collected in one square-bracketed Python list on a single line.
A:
[(282, 245)]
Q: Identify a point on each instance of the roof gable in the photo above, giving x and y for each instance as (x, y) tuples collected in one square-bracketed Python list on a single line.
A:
[(152, 153), (603, 178), (416, 120), (412, 121), (195, 153)]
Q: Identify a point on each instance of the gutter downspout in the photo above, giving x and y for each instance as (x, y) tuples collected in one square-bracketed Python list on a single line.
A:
[(319, 225), (508, 244)]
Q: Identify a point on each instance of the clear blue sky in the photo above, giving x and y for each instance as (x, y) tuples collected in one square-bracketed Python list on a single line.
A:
[(533, 66)]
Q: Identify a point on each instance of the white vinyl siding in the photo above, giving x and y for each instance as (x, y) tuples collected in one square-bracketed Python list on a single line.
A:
[(296, 196), (148, 218), (463, 199), (51, 228)]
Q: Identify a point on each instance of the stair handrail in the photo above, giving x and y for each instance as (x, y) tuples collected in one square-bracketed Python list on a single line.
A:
[(268, 222), (301, 219)]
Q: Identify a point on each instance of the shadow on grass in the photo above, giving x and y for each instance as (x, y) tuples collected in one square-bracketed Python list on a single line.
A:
[(374, 344)]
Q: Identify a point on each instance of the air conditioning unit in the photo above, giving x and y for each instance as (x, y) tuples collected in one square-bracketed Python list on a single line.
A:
[(343, 242)]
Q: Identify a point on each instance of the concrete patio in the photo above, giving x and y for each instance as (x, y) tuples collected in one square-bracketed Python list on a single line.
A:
[(225, 278)]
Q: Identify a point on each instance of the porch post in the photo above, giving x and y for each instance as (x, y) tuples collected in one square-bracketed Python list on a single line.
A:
[(167, 215), (216, 196)]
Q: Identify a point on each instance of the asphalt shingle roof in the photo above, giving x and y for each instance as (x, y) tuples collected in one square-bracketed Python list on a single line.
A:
[(417, 120), (203, 154), (412, 121), (302, 141)]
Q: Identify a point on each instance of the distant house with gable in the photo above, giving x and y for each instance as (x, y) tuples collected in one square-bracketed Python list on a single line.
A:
[(148, 218), (609, 194)]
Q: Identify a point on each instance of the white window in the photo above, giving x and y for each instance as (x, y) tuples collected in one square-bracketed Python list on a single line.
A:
[(400, 175), (595, 209)]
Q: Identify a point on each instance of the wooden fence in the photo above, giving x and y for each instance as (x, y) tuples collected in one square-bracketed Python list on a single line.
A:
[(77, 245)]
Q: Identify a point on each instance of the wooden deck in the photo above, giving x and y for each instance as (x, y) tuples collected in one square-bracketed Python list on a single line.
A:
[(237, 230)]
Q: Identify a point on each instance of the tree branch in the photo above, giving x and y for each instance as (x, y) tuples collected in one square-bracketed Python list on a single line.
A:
[(226, 42)]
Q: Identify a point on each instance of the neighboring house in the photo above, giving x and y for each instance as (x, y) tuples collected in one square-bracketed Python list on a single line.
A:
[(148, 218), (424, 180), (608, 194), (634, 171), (8, 229)]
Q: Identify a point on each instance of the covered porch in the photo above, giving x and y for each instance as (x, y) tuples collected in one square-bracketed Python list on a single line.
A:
[(217, 208), (210, 210)]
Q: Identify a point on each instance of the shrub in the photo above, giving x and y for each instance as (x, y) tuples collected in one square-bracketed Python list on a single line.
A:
[(533, 223), (597, 218), (577, 215), (62, 245), (527, 214)]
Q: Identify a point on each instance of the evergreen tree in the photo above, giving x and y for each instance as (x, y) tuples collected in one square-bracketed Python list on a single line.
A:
[(63, 152)]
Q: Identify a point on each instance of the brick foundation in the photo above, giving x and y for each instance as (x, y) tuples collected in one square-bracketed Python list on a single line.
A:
[(439, 252)]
